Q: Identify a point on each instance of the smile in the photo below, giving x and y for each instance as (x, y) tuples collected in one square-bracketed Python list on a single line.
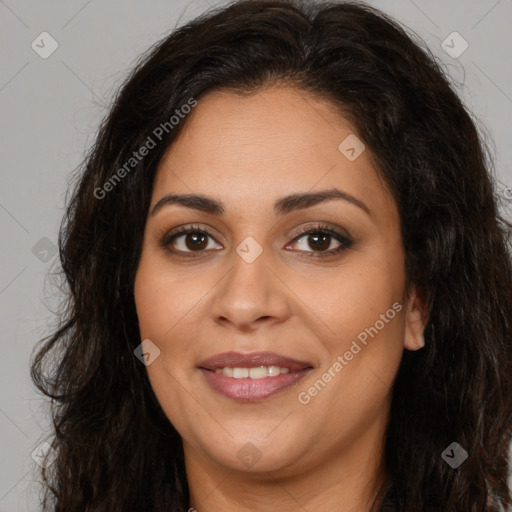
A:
[(252, 377), (259, 372)]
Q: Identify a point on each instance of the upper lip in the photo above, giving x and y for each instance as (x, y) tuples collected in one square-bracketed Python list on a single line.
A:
[(253, 359)]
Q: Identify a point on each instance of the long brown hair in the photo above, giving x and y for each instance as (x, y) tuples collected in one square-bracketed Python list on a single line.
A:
[(116, 449)]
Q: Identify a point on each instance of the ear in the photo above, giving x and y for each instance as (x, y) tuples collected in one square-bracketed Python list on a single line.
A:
[(415, 320)]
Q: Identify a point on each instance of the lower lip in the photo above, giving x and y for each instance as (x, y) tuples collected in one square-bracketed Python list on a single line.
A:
[(252, 390)]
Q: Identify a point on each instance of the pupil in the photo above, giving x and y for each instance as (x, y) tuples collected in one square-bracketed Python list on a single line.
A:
[(322, 244), (195, 241)]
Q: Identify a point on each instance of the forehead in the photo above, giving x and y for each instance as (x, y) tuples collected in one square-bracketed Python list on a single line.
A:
[(259, 147)]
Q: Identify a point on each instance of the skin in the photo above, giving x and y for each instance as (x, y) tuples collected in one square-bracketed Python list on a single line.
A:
[(248, 151)]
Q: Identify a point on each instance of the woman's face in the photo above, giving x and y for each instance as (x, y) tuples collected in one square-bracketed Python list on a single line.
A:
[(247, 280)]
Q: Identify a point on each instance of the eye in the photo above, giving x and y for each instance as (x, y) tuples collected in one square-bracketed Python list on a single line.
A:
[(189, 240), (321, 241), (316, 241)]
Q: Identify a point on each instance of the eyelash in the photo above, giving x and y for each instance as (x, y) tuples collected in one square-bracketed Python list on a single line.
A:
[(345, 242)]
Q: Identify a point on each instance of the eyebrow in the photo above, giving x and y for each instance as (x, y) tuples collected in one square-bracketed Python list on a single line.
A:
[(282, 206)]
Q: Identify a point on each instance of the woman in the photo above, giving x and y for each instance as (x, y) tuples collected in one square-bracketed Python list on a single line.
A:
[(289, 284)]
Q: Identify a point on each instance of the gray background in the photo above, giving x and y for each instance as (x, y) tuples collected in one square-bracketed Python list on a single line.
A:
[(51, 109)]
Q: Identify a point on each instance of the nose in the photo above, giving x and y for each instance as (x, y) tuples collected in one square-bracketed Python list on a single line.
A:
[(251, 294)]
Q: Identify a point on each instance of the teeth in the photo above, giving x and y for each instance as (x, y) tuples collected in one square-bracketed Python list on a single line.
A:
[(259, 372), (240, 373)]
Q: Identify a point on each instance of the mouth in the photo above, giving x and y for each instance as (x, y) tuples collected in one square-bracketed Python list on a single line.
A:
[(252, 377)]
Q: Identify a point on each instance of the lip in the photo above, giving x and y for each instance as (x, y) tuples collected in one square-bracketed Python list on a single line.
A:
[(247, 389), (251, 360)]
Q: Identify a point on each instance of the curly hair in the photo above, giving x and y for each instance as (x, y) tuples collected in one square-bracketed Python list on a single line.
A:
[(115, 447)]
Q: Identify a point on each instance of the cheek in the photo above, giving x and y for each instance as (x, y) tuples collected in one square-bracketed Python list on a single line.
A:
[(362, 354), (163, 298), (150, 301), (361, 304), (360, 313), (353, 298), (171, 313), (162, 302)]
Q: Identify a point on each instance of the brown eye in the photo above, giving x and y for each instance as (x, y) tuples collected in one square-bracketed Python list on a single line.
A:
[(195, 241), (318, 242), (321, 241), (189, 240)]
